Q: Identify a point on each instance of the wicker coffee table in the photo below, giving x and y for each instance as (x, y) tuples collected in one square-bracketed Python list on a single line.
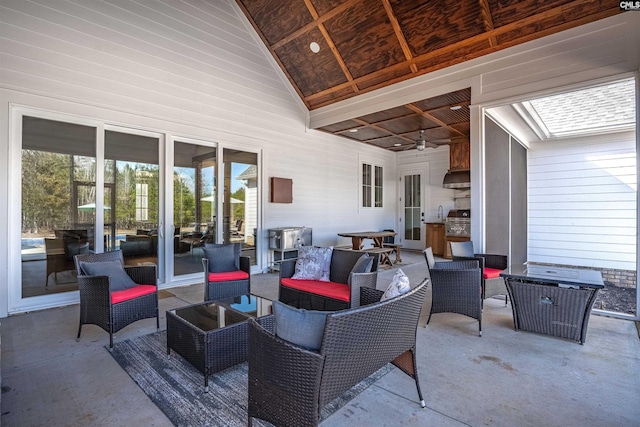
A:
[(212, 335), (550, 300)]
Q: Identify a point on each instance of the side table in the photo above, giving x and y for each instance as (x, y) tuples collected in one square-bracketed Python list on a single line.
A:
[(212, 336)]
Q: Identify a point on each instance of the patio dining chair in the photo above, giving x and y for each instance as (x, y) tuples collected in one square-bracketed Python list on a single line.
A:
[(456, 288), (226, 273), (491, 265), (113, 295)]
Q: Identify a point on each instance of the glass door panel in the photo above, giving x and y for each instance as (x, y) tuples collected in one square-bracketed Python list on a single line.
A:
[(132, 193), (194, 205), (240, 200), (58, 187), (413, 210)]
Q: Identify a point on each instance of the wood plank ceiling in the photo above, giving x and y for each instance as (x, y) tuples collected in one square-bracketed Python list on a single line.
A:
[(369, 44)]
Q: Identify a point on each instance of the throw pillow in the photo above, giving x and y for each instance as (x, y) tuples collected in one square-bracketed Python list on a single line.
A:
[(299, 326), (119, 280), (222, 258), (362, 265), (313, 263), (399, 285)]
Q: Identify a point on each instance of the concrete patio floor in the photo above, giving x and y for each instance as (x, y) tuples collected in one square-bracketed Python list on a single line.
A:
[(504, 378)]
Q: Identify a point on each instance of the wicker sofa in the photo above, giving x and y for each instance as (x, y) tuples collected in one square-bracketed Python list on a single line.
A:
[(337, 294), (289, 385)]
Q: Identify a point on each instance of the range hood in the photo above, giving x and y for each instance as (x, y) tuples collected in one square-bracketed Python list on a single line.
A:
[(457, 179)]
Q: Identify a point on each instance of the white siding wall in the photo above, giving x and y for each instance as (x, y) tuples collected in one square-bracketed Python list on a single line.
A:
[(582, 202), (190, 68)]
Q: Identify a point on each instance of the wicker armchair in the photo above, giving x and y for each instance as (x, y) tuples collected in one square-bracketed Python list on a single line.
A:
[(113, 311), (225, 278), (456, 288), (491, 265), (289, 385)]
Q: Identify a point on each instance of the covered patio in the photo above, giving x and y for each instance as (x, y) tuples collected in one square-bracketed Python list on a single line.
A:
[(504, 378)]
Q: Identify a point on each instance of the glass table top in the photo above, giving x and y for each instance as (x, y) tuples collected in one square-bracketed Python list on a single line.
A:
[(212, 315)]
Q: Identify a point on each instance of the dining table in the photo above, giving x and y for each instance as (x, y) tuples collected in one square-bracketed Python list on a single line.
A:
[(358, 237)]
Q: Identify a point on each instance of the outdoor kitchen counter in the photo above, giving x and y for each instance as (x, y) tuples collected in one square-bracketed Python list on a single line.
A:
[(552, 300)]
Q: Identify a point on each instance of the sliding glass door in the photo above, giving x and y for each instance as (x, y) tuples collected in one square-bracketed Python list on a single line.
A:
[(133, 222), (194, 204), (58, 203), (86, 186), (240, 200)]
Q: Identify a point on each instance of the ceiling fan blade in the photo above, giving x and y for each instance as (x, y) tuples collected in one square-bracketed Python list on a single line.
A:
[(435, 143)]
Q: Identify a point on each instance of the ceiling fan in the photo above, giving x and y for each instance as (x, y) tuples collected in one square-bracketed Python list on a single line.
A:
[(421, 143)]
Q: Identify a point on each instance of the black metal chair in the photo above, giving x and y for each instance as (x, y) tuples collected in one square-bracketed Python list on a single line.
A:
[(456, 288), (491, 265), (226, 273), (113, 310)]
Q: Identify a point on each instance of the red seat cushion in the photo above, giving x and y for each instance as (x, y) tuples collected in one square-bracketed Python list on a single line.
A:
[(491, 273), (131, 293), (228, 276), (333, 290)]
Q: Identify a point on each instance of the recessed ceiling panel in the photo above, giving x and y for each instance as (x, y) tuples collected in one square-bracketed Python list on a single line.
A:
[(324, 6), (311, 72), (365, 38), (365, 133), (277, 19), (439, 133), (337, 127), (448, 116), (390, 142), (408, 124), (391, 113), (460, 97), (505, 12), (431, 25)]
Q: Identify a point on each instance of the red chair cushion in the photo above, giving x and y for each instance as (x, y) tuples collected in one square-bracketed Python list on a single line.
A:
[(333, 290), (228, 276), (131, 293), (491, 273)]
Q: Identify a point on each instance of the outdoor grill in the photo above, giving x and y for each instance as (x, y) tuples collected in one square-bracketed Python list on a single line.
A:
[(289, 238), (458, 223)]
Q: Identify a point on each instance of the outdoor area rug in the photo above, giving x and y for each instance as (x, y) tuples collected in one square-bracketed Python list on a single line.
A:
[(177, 388)]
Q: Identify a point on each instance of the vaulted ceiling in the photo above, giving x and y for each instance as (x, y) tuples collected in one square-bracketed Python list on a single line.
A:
[(369, 44)]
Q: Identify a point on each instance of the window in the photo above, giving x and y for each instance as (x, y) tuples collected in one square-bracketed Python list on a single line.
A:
[(377, 189), (372, 180), (142, 202)]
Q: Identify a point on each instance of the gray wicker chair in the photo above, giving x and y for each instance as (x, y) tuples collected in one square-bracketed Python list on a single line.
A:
[(491, 265), (289, 385), (456, 288), (220, 283), (96, 305)]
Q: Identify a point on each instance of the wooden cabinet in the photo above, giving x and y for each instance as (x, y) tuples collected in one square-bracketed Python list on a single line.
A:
[(459, 156), (435, 237), (447, 249)]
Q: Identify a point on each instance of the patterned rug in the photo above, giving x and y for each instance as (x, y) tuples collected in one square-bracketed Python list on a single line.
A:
[(177, 388)]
